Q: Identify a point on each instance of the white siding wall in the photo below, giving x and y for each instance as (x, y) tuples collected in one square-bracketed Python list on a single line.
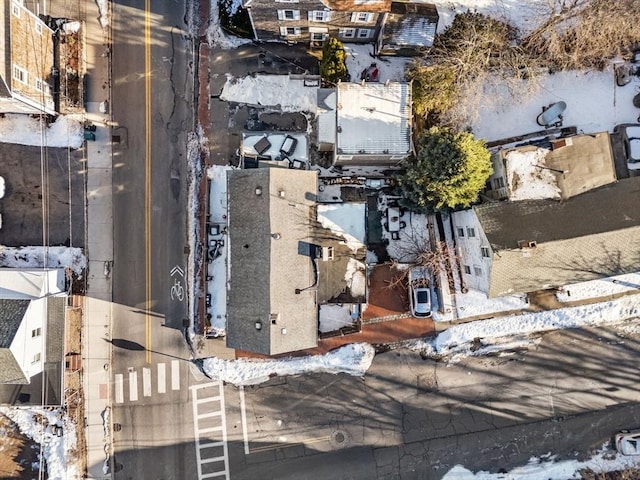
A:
[(470, 239)]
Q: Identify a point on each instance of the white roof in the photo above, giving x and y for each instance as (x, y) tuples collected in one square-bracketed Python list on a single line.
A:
[(18, 283), (374, 118)]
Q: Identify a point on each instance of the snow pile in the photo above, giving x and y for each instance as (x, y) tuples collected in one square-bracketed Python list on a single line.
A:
[(599, 288), (475, 302), (215, 36), (345, 220), (34, 257), (334, 317), (458, 339), (356, 278), (58, 451), (104, 18), (353, 359), (27, 130), (527, 178), (277, 91), (606, 460)]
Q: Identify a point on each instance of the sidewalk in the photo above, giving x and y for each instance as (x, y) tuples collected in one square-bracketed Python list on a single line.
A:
[(96, 352)]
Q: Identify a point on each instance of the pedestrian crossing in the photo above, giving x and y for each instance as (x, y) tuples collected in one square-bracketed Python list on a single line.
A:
[(210, 428), (130, 382)]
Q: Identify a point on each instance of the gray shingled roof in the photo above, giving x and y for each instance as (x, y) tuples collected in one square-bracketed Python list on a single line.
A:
[(267, 236), (411, 24), (589, 236), (11, 314)]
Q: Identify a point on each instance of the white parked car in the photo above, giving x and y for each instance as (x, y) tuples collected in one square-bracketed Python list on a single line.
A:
[(628, 442), (420, 291), (630, 135)]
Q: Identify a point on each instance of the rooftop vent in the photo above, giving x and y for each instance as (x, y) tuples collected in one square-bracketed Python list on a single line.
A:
[(281, 193), (258, 325), (258, 190)]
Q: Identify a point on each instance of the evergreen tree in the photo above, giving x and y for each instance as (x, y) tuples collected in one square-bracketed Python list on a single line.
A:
[(448, 171), (333, 66)]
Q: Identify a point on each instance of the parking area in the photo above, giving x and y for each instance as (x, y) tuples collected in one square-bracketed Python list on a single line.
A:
[(44, 192)]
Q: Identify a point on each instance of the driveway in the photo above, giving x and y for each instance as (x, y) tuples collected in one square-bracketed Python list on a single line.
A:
[(55, 193)]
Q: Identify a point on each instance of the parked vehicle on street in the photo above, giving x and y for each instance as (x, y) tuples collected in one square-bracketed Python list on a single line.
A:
[(420, 291), (628, 442), (630, 135)]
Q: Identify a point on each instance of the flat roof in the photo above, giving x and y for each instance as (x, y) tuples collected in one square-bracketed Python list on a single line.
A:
[(374, 118)]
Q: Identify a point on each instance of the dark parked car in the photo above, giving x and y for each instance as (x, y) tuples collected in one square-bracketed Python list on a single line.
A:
[(630, 135)]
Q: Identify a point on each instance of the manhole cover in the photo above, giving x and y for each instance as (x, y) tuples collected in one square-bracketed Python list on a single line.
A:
[(339, 439)]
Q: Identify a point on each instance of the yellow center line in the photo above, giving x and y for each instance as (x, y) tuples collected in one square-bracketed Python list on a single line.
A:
[(147, 167)]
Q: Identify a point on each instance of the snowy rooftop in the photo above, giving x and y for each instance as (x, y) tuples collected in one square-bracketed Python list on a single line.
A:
[(574, 165), (280, 92), (27, 284), (275, 142), (374, 118)]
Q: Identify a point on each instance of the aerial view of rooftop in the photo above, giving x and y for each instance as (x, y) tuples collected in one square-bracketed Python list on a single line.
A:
[(320, 240)]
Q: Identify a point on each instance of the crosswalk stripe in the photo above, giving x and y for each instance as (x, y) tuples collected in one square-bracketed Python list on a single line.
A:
[(118, 385), (175, 375), (162, 378), (146, 382), (133, 386)]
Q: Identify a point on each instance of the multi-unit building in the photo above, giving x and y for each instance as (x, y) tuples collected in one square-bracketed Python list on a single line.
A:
[(26, 61)]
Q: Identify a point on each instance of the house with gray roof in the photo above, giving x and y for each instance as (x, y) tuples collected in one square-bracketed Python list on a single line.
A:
[(271, 296), (32, 312), (407, 29), (528, 245)]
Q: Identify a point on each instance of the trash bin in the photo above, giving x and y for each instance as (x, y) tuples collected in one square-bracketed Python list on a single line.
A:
[(88, 135)]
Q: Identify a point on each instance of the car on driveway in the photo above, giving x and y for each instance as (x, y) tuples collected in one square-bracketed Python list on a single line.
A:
[(628, 442), (630, 135), (420, 291)]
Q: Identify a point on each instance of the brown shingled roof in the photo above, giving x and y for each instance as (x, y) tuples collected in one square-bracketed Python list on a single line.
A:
[(378, 6)]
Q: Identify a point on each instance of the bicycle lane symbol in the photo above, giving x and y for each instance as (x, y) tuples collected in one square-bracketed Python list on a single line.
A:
[(177, 290)]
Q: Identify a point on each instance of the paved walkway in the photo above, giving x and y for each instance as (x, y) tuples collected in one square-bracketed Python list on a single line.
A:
[(98, 307)]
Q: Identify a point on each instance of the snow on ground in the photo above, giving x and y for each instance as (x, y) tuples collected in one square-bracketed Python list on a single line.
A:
[(34, 257), (103, 9), (218, 267), (525, 178), (360, 56), (215, 36), (356, 278), (27, 130), (457, 339), (353, 359), (605, 460), (59, 451), (276, 91), (525, 15), (594, 104)]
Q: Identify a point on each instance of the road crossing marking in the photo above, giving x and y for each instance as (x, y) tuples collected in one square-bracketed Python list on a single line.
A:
[(162, 378), (118, 384), (133, 386), (146, 382), (175, 375), (212, 419), (243, 419)]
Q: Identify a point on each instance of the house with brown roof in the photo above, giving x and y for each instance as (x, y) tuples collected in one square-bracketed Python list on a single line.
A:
[(522, 246), (26, 61), (313, 21)]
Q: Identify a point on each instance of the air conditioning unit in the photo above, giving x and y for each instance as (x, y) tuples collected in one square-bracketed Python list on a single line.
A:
[(327, 254)]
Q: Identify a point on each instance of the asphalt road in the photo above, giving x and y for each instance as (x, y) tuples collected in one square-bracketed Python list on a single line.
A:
[(152, 96), (415, 419)]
